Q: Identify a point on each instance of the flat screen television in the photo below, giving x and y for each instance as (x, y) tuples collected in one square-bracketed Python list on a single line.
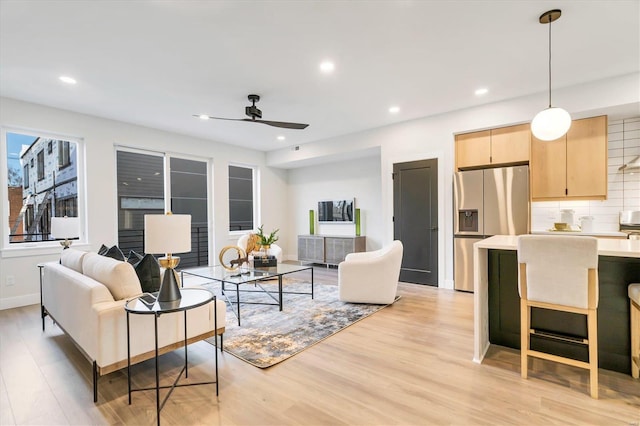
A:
[(336, 211)]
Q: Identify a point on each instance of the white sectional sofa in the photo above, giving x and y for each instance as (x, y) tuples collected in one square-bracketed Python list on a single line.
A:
[(85, 295)]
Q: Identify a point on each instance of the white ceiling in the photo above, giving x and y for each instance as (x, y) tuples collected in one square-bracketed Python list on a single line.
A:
[(155, 63)]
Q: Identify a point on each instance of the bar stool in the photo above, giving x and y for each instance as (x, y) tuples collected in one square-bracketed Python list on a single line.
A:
[(559, 273), (634, 302)]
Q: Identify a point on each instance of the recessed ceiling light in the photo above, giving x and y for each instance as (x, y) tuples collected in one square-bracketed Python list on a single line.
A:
[(482, 91), (394, 109), (67, 79), (281, 138), (327, 67), (203, 117)]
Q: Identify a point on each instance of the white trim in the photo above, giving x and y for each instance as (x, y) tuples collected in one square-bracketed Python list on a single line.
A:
[(19, 301)]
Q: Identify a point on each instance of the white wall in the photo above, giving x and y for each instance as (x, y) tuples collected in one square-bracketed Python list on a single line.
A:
[(433, 137), (100, 138), (623, 187), (341, 180)]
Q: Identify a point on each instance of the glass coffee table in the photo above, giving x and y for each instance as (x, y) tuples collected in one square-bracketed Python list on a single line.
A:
[(242, 282)]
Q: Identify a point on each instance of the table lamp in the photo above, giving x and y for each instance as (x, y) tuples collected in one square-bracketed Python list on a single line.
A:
[(167, 234), (65, 227)]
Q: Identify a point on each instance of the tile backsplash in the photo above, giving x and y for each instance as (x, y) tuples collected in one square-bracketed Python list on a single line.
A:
[(623, 192)]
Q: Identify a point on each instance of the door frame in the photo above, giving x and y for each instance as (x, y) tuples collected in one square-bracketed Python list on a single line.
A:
[(387, 201)]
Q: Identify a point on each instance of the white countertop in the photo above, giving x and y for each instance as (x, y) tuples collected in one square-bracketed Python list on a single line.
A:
[(606, 246), (578, 232)]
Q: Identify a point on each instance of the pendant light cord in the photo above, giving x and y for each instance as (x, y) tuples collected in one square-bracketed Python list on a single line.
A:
[(549, 61)]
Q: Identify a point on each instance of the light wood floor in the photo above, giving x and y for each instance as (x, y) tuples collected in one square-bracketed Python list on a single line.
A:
[(410, 363)]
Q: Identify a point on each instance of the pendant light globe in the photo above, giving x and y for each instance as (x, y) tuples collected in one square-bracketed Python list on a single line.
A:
[(551, 124)]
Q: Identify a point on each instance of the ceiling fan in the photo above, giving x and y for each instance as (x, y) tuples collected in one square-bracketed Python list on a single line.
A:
[(255, 114)]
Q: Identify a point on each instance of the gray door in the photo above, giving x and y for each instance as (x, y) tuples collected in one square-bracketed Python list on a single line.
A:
[(415, 219)]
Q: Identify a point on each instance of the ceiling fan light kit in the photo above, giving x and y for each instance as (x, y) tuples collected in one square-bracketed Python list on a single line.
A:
[(256, 115), (552, 122)]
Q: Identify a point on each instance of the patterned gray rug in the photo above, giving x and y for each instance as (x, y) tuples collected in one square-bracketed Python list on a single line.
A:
[(268, 336)]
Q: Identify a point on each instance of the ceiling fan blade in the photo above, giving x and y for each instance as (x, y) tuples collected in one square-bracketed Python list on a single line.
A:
[(285, 125), (221, 118), (298, 126)]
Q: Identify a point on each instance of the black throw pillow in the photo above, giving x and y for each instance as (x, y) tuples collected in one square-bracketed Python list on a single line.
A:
[(115, 253), (103, 249), (134, 257), (148, 271)]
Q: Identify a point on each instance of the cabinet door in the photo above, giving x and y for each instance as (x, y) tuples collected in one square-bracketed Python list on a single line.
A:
[(473, 149), (587, 158), (548, 168), (311, 249), (510, 144), (337, 249)]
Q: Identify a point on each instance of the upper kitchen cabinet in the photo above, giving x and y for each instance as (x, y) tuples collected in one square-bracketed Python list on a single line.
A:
[(473, 149), (572, 167), (510, 144), (506, 145)]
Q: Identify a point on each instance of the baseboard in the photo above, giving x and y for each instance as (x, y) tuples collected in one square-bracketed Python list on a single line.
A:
[(448, 284), (19, 301)]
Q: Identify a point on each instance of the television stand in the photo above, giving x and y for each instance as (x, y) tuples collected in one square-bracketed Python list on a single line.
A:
[(328, 249)]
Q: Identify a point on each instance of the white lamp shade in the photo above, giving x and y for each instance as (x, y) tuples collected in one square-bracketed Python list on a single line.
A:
[(65, 227), (550, 124), (170, 233)]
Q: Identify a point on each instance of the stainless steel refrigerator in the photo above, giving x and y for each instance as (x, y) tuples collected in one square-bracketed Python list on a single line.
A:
[(487, 202)]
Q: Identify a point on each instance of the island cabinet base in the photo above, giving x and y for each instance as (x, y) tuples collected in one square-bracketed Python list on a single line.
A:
[(560, 333)]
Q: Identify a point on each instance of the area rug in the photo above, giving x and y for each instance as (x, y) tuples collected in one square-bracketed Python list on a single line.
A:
[(269, 336)]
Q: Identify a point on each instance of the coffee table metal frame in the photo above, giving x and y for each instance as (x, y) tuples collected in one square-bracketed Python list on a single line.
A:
[(251, 276), (191, 298)]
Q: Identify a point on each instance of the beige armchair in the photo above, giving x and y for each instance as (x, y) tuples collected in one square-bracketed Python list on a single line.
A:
[(371, 276)]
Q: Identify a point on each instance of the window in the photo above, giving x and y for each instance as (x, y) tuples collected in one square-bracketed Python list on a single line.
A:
[(38, 193), (141, 180), (241, 198), (64, 156), (41, 164), (25, 177), (67, 207)]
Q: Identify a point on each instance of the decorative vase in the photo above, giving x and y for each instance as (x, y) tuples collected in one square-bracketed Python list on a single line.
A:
[(312, 222), (357, 222)]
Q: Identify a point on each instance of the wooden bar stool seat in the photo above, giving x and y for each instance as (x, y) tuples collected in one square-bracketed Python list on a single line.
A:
[(559, 273)]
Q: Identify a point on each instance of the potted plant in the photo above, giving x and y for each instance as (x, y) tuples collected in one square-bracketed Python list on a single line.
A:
[(266, 241)]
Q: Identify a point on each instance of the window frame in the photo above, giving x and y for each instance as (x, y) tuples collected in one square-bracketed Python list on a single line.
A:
[(256, 198), (40, 168), (9, 249), (167, 193)]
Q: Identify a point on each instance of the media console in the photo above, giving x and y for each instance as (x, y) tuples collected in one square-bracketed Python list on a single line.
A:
[(328, 249)]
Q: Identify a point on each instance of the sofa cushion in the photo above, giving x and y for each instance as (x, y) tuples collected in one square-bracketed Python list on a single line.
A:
[(119, 277), (148, 271), (72, 258), (103, 249)]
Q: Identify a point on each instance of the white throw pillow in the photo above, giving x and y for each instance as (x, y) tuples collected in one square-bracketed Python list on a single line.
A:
[(119, 277), (72, 258)]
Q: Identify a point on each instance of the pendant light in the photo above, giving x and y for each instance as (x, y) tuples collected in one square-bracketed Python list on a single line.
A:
[(553, 122)]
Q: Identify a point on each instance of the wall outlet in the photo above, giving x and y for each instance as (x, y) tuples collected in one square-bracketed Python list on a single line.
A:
[(11, 280)]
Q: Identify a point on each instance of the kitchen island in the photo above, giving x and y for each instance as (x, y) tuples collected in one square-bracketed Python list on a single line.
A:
[(619, 263)]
